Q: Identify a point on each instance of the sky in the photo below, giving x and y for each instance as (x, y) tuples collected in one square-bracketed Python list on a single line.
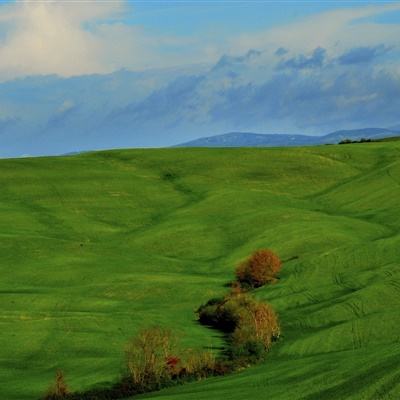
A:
[(82, 37), (209, 67)]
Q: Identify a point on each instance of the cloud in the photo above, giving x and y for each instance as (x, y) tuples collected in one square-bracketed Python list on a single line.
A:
[(337, 30), (290, 100), (75, 38), (66, 106), (363, 54), (51, 37), (281, 51), (5, 123), (315, 60), (104, 111)]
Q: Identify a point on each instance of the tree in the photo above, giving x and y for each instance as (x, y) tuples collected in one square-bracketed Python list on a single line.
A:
[(260, 268)]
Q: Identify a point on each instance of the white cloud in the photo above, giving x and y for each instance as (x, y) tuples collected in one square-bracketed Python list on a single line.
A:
[(66, 106), (337, 30), (74, 38), (45, 37)]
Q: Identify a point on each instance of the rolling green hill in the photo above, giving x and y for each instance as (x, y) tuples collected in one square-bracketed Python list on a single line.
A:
[(96, 246)]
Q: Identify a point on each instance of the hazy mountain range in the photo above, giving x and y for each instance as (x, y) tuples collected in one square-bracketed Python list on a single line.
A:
[(247, 139)]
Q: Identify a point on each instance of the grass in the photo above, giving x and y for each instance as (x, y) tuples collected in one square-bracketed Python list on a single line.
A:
[(96, 246), (389, 139)]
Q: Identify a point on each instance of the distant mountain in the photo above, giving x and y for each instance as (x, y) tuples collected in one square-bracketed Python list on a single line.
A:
[(248, 139)]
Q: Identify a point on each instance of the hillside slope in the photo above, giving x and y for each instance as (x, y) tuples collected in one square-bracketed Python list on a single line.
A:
[(98, 245)]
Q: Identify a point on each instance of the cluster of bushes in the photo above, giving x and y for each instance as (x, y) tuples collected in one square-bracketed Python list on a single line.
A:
[(153, 360), (251, 326)]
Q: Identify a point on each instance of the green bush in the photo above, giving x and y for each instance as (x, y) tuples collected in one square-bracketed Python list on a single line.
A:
[(251, 351), (222, 314)]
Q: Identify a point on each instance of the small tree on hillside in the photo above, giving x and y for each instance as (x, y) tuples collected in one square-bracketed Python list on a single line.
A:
[(59, 390), (260, 268)]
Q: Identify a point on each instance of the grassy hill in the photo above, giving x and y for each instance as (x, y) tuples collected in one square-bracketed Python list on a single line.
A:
[(96, 246)]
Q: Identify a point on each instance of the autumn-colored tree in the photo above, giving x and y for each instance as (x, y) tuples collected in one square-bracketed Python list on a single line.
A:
[(260, 268)]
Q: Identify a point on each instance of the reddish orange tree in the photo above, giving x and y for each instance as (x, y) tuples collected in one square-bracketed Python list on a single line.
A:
[(260, 268)]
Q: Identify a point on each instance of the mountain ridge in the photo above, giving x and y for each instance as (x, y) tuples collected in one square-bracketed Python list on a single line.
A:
[(251, 139)]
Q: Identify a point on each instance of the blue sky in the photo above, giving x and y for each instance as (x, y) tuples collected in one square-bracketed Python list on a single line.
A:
[(91, 74), (196, 17)]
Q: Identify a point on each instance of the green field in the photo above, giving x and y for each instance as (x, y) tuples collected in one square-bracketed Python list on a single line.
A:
[(96, 246)]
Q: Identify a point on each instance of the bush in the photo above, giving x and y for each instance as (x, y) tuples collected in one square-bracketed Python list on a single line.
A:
[(173, 365), (149, 358), (152, 362), (198, 364), (345, 141), (259, 269), (250, 351), (252, 326), (59, 390), (219, 313), (258, 323)]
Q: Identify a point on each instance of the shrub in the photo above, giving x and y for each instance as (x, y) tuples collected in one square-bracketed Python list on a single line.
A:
[(219, 313), (252, 326), (345, 141), (59, 390), (174, 365), (254, 335), (148, 359), (198, 364), (249, 351), (258, 323), (260, 268), (236, 288)]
